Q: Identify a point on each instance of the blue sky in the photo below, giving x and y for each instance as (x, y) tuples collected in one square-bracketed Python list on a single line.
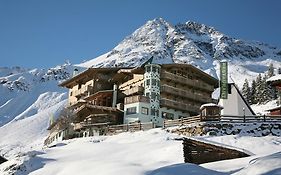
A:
[(42, 34)]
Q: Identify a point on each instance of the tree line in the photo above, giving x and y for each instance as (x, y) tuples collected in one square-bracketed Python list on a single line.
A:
[(260, 92)]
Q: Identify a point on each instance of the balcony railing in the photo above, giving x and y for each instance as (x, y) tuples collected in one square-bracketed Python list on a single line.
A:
[(83, 91), (186, 94), (136, 98), (179, 105), (186, 81), (134, 90)]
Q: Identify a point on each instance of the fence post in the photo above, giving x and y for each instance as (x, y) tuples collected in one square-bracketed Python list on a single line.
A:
[(127, 127), (264, 118), (244, 118), (140, 126), (181, 121), (163, 124)]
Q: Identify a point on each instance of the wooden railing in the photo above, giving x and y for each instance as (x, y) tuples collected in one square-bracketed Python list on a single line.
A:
[(114, 129), (224, 118), (189, 82), (134, 90), (136, 98), (252, 118), (179, 105), (182, 121), (83, 91), (186, 94)]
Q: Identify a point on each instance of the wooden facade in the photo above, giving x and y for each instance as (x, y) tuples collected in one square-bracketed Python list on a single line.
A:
[(200, 152), (185, 87)]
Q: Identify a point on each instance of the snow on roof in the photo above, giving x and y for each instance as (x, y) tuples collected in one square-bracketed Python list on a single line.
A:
[(275, 108), (274, 78), (210, 104)]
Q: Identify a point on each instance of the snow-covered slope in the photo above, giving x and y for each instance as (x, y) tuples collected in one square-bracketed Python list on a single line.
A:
[(153, 152), (28, 98), (191, 43)]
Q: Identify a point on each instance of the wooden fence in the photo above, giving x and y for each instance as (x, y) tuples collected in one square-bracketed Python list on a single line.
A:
[(200, 152), (182, 121), (250, 119), (113, 129), (223, 118)]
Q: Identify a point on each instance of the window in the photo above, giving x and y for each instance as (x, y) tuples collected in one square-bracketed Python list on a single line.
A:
[(154, 112), (144, 110), (132, 110), (71, 93), (148, 82), (153, 69), (79, 86), (167, 115), (153, 83), (153, 95), (147, 94), (158, 83)]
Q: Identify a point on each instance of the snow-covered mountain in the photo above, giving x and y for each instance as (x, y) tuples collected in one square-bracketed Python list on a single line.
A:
[(191, 43), (29, 97)]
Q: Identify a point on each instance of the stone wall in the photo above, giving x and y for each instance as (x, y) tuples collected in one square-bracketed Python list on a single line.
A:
[(220, 128)]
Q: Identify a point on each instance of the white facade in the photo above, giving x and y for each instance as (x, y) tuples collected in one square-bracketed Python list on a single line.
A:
[(142, 113), (152, 90), (235, 104), (139, 113)]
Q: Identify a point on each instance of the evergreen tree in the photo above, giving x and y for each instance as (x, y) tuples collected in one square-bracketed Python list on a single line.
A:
[(253, 92), (246, 91), (267, 91), (270, 71), (259, 89)]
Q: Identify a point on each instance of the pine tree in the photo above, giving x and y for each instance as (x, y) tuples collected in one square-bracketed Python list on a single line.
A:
[(253, 92), (246, 91), (270, 71), (259, 89), (267, 91), (271, 92)]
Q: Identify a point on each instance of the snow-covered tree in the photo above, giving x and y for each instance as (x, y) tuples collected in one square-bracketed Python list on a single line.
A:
[(267, 91), (259, 89), (246, 91), (270, 71), (253, 92)]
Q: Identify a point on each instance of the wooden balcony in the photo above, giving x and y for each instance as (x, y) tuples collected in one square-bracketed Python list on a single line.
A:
[(179, 106), (185, 94), (182, 80), (83, 91), (136, 98), (134, 90)]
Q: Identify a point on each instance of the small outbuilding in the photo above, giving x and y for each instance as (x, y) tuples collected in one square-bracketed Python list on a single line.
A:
[(210, 111)]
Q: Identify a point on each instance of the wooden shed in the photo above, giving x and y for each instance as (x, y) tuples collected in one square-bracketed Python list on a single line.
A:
[(210, 111)]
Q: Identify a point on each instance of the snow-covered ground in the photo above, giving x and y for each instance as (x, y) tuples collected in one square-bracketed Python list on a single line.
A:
[(153, 152)]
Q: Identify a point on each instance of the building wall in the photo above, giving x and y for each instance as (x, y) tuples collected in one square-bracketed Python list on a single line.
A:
[(138, 116), (234, 104), (136, 81)]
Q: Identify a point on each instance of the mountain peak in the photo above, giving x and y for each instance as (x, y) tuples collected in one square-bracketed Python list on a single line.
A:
[(190, 43)]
